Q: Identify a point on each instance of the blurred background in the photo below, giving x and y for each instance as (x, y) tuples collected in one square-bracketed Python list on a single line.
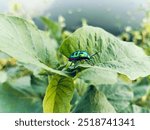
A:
[(113, 16), (22, 89)]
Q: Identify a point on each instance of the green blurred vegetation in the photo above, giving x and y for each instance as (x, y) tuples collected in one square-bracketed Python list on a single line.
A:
[(141, 37), (23, 86)]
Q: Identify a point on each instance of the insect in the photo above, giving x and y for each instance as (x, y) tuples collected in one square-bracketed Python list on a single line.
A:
[(77, 56)]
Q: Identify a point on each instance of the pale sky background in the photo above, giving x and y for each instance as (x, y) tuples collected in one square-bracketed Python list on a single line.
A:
[(112, 15), (30, 7)]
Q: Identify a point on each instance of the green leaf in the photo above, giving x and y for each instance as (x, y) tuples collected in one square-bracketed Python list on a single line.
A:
[(3, 76), (141, 95), (135, 109), (18, 100), (23, 41), (39, 84), (120, 95), (74, 100), (81, 86), (97, 75), (94, 101), (58, 95), (140, 91), (112, 53), (21, 82)]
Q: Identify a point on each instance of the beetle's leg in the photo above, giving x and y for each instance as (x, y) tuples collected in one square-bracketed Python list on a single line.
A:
[(87, 61), (75, 64), (71, 63), (90, 62), (66, 64), (94, 54)]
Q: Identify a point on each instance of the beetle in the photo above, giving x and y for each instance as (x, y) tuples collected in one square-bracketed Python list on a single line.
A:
[(79, 56)]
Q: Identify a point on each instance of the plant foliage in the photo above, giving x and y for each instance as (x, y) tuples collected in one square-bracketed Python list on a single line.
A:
[(35, 71)]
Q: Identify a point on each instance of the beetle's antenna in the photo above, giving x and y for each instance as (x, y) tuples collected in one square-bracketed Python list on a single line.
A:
[(94, 54)]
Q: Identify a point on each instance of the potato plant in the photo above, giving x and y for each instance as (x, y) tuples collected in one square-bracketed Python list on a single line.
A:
[(43, 80)]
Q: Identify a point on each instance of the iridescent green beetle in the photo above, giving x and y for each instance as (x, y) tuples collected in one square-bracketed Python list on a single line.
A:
[(79, 56)]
